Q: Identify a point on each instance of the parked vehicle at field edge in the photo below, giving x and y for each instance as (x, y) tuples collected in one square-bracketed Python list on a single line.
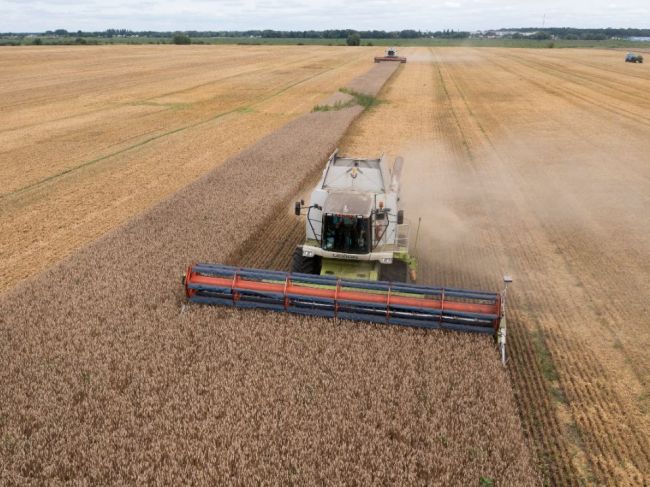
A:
[(633, 58)]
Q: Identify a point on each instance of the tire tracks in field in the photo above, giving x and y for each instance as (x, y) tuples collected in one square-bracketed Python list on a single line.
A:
[(250, 72), (603, 470), (595, 83), (531, 345), (592, 437), (147, 141), (597, 80), (571, 95), (75, 91), (532, 391), (605, 261), (120, 82), (600, 68), (591, 107)]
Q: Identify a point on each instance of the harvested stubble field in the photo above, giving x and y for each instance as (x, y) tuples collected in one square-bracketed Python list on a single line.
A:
[(104, 379), (91, 137)]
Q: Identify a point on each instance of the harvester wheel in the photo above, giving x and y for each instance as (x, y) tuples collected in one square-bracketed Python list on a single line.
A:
[(395, 272), (304, 265)]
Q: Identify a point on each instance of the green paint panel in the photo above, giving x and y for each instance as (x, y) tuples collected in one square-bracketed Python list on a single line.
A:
[(350, 269)]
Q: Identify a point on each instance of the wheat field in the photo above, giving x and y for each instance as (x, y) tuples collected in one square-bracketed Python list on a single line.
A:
[(127, 163)]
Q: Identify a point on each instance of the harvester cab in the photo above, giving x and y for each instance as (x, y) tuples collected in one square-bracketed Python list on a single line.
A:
[(391, 55), (354, 225), (353, 263)]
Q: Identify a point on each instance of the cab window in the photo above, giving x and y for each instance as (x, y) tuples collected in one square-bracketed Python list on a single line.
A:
[(344, 233)]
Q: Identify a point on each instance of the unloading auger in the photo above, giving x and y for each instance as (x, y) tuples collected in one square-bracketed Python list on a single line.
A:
[(354, 264)]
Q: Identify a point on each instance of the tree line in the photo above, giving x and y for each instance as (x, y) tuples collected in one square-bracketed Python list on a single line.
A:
[(267, 33)]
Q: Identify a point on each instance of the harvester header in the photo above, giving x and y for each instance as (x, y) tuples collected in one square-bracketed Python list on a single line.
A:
[(378, 302)]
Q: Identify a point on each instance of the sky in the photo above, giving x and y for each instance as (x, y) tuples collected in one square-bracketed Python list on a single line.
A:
[(163, 15)]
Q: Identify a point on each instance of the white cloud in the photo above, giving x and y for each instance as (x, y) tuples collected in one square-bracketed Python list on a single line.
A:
[(39, 15)]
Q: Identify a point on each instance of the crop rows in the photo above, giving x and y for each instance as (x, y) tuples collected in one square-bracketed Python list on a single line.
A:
[(598, 417)]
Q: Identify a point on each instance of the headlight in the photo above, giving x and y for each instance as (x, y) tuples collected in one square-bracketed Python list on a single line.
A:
[(386, 260), (307, 253)]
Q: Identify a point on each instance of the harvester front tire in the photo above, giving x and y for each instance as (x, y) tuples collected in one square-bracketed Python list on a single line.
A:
[(304, 265), (395, 272)]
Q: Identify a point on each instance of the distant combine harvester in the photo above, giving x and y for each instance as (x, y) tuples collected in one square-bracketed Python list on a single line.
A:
[(391, 55)]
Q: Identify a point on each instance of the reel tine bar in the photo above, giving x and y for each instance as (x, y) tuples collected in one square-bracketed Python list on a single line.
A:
[(329, 296)]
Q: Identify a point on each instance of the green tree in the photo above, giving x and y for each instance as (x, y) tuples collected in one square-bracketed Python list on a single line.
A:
[(353, 40), (181, 38), (38, 41)]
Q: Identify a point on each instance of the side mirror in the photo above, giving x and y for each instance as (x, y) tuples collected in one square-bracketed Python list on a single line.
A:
[(297, 207), (400, 217)]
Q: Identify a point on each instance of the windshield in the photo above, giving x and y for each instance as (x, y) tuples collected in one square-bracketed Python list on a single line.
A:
[(346, 234)]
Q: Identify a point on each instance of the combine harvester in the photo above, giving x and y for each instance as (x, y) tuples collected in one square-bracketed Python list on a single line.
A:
[(354, 263), (391, 55)]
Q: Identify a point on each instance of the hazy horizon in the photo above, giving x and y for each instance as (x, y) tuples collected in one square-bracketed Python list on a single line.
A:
[(389, 15)]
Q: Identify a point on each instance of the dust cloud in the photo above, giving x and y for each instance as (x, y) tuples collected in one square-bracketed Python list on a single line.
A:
[(440, 196), (416, 57), (427, 187), (472, 207)]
